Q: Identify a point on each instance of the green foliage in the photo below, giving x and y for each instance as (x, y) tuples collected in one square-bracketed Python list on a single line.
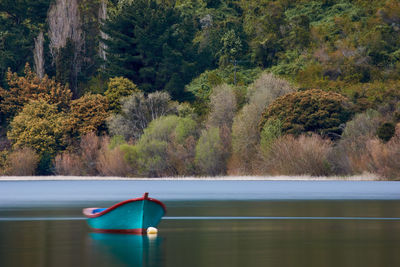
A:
[(40, 126), (339, 47), (201, 87), (261, 22), (169, 127), (151, 158), (97, 84), (130, 155), (245, 138), (20, 23), (330, 45), (222, 106), (179, 134), (138, 111), (45, 164), (363, 124), (3, 161), (91, 26), (150, 43), (269, 133), (185, 128), (118, 88), (231, 47), (386, 131), (290, 63), (116, 141), (66, 62), (375, 94), (221, 34), (165, 148), (186, 110), (245, 132), (209, 153), (309, 111), (160, 129)]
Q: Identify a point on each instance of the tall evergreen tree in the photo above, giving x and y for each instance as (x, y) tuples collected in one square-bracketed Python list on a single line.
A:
[(151, 44), (20, 23)]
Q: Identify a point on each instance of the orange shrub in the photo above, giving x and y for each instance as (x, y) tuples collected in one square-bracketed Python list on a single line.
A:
[(88, 114), (31, 87)]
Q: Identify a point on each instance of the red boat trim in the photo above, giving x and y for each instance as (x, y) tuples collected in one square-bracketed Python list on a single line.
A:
[(139, 231), (144, 197)]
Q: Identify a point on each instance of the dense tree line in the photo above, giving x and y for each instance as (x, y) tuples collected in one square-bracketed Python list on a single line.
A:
[(198, 87)]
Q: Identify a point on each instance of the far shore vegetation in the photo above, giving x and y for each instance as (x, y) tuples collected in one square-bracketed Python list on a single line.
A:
[(198, 88)]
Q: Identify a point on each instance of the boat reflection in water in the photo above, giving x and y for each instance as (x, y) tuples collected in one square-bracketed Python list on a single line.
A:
[(128, 249)]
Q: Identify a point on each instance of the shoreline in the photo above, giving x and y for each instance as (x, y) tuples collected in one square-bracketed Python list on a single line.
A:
[(366, 177)]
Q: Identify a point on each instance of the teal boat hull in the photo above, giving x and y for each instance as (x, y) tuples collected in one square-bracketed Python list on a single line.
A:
[(130, 216)]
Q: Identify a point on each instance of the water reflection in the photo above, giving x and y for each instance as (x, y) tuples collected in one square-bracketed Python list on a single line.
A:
[(127, 249)]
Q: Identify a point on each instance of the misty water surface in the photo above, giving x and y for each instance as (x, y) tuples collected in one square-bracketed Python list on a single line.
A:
[(217, 223)]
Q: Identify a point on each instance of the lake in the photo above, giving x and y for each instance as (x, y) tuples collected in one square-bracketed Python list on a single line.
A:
[(208, 223)]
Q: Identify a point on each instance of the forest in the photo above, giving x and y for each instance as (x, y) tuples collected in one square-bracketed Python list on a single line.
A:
[(153, 88)]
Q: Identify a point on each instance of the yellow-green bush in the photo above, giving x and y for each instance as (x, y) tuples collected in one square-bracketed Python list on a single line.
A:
[(87, 114), (165, 148), (210, 158), (118, 88), (3, 161), (39, 126), (245, 133)]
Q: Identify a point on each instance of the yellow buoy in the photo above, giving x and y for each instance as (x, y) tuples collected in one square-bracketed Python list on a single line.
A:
[(152, 231)]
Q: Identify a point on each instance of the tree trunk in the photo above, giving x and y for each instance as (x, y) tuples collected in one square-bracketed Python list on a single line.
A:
[(65, 25), (38, 55), (102, 18)]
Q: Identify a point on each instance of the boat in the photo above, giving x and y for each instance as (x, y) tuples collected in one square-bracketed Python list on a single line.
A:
[(133, 216)]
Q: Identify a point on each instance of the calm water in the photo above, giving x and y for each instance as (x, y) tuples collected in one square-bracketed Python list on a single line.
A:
[(224, 223)]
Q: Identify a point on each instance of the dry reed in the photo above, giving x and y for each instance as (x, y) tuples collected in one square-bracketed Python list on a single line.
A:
[(306, 155), (22, 162)]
